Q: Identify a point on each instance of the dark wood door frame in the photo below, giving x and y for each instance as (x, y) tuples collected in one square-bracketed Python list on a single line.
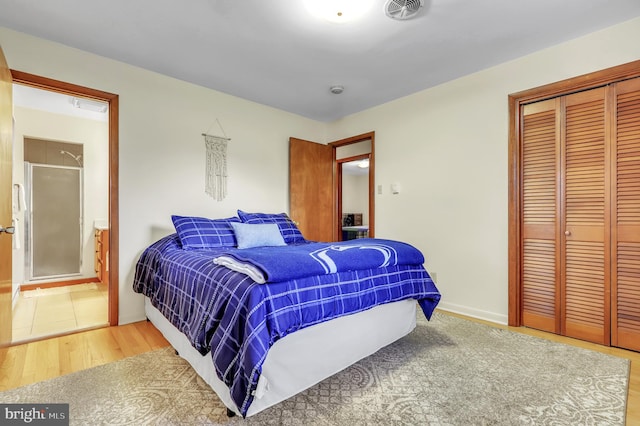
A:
[(516, 102), (338, 184), (44, 83), (340, 176), (6, 197)]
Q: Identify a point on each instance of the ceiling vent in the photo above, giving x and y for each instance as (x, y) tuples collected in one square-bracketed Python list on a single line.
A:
[(402, 9)]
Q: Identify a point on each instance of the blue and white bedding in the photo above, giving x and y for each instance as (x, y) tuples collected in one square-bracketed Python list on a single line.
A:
[(237, 319), (287, 262)]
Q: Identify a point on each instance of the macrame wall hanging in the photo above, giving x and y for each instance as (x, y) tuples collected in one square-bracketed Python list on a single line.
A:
[(216, 168)]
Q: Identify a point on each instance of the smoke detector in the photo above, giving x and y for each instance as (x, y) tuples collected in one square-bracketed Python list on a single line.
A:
[(336, 90), (402, 9)]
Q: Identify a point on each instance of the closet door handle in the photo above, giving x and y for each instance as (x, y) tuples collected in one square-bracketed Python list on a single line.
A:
[(567, 233)]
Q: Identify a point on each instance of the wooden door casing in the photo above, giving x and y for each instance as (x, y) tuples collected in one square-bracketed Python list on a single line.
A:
[(357, 139), (32, 80), (6, 187)]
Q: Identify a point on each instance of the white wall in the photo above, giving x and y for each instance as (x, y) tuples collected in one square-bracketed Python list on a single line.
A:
[(162, 153), (447, 147), (93, 135)]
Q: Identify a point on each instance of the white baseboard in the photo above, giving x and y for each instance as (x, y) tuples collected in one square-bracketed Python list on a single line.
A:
[(128, 319), (475, 313)]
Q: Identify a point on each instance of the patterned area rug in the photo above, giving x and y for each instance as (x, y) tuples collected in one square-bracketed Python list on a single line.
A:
[(449, 371)]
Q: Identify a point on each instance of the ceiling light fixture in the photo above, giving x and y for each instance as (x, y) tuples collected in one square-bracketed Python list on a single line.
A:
[(89, 104), (338, 11), (336, 90), (363, 164)]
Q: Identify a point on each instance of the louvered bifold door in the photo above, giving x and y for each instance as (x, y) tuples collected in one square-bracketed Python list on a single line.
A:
[(626, 202), (540, 163), (585, 245)]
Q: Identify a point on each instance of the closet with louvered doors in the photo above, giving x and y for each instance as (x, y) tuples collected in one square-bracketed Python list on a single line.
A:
[(580, 183), (625, 281)]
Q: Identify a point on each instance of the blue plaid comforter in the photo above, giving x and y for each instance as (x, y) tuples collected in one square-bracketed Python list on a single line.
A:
[(237, 320)]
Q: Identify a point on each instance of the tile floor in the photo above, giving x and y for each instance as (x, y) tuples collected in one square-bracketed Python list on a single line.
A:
[(58, 310)]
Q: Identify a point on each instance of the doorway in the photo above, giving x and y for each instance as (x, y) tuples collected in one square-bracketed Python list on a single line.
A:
[(354, 186), (353, 201), (86, 163), (315, 184)]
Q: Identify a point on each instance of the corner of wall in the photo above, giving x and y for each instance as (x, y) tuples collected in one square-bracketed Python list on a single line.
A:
[(474, 313)]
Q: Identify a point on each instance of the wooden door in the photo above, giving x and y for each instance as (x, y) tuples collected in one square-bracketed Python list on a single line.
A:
[(565, 224), (585, 219), (540, 278), (6, 178), (626, 217), (597, 264), (311, 173)]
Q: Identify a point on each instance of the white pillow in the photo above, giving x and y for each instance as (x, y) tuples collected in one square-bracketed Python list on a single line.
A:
[(251, 235)]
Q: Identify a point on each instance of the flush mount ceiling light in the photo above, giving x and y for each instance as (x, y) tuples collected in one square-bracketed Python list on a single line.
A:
[(89, 104), (338, 11), (336, 90), (364, 164), (402, 9)]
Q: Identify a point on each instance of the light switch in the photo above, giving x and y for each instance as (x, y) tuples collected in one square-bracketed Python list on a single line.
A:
[(395, 188), (379, 189)]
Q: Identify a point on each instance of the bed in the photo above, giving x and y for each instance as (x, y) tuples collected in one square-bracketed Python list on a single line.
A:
[(237, 302)]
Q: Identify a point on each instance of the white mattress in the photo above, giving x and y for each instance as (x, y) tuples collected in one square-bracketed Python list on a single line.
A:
[(306, 357)]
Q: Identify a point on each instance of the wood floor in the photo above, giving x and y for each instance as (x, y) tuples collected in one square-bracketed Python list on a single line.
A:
[(44, 359), (35, 361)]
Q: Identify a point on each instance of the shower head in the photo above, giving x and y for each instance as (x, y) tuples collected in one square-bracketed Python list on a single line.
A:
[(75, 157)]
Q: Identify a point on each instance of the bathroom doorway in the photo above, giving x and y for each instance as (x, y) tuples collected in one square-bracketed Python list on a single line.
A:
[(61, 204)]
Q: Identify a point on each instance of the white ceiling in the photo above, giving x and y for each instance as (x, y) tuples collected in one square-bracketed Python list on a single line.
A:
[(275, 53)]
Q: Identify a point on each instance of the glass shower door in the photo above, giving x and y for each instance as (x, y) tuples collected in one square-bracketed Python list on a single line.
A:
[(55, 225)]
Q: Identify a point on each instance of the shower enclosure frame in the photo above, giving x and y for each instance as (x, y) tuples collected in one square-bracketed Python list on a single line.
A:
[(30, 276)]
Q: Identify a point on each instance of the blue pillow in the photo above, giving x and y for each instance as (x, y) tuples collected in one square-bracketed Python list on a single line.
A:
[(288, 228), (251, 235), (202, 233)]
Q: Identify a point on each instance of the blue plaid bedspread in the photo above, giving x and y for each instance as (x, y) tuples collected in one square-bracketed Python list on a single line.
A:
[(237, 320)]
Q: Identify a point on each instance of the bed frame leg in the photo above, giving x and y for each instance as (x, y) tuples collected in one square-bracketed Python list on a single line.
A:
[(230, 413)]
